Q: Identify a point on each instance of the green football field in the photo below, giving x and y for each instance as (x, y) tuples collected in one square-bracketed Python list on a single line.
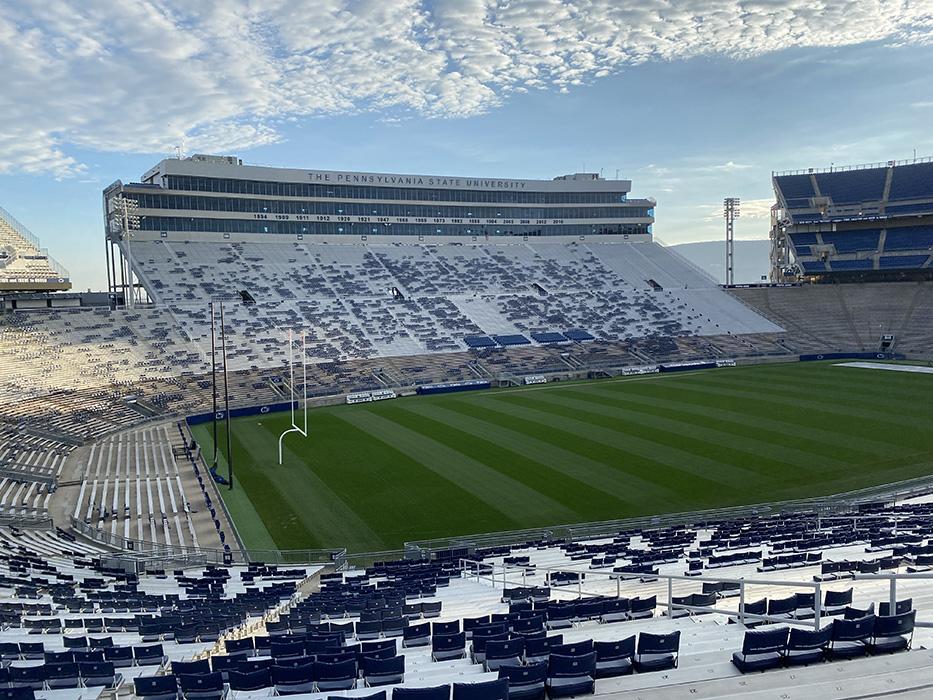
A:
[(372, 476)]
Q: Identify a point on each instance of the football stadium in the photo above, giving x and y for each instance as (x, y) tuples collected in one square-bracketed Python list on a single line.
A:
[(350, 434)]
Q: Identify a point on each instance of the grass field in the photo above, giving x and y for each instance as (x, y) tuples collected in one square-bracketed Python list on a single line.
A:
[(372, 476)]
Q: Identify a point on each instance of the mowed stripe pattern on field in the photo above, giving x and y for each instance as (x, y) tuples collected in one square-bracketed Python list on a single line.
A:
[(372, 476)]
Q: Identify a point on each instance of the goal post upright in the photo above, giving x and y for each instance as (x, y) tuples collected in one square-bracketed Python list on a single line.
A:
[(303, 431)]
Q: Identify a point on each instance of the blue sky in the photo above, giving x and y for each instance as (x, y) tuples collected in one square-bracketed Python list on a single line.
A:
[(692, 101)]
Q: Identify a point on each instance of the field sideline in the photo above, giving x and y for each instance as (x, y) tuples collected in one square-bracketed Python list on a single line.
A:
[(372, 476)]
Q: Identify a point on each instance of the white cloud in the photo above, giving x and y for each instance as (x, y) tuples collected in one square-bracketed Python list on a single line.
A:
[(124, 76), (753, 209)]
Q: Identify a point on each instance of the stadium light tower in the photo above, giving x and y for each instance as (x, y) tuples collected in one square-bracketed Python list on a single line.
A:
[(129, 221), (730, 211)]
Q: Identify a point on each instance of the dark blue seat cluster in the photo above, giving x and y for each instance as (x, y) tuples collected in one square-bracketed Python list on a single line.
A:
[(908, 238), (548, 337), (853, 186), (853, 241), (902, 261), (62, 674), (790, 561), (862, 264), (512, 339), (797, 189), (912, 181), (479, 341), (842, 639)]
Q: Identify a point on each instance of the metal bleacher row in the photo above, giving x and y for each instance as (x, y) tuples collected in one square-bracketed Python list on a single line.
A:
[(362, 302)]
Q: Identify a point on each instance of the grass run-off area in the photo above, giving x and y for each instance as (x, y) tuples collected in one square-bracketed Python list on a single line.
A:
[(371, 476)]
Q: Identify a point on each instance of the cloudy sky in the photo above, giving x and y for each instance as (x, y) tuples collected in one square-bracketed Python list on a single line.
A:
[(693, 101)]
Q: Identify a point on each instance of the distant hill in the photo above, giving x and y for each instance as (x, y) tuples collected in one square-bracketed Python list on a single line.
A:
[(751, 259)]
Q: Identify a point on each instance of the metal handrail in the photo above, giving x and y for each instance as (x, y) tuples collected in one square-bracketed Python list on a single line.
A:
[(829, 504), (136, 550), (741, 615), (849, 168), (892, 591)]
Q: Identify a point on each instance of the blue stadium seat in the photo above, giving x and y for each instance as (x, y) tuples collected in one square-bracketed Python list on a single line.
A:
[(853, 186), (448, 646), (850, 638), (439, 692), (62, 674), (571, 675), (761, 650), (156, 687), (417, 635), (912, 181), (902, 261), (807, 646), (615, 658), (293, 680), (208, 686), (525, 682), (657, 652), (250, 680), (487, 690), (383, 671), (539, 649), (503, 652), (892, 632), (335, 676)]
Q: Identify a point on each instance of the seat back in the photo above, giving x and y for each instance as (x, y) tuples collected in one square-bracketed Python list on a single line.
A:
[(858, 613), (237, 646), (573, 648), (505, 648), (446, 627), (764, 642), (617, 605), (835, 599), (383, 667), (853, 630), (191, 668), (250, 680), (480, 641), (440, 692), (287, 650), (782, 606), (17, 694), (293, 675), (894, 625), (806, 639), (98, 673), (148, 652), (518, 676), (560, 666), (644, 604), (202, 682), (382, 645), (155, 686), (659, 643), (421, 631), (901, 606), (488, 690), (540, 646), (335, 671), (612, 651)]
